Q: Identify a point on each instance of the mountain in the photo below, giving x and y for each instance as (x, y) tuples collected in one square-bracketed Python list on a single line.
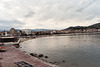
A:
[(36, 30), (33, 30), (97, 25), (76, 28)]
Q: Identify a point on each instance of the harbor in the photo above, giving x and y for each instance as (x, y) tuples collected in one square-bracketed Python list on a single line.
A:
[(49, 33), (66, 51), (10, 56)]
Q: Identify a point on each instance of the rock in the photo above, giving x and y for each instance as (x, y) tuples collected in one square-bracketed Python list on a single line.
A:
[(50, 62), (24, 51), (45, 60), (42, 59), (64, 46), (32, 54), (23, 64), (16, 45), (55, 62), (41, 55), (46, 56), (1, 58), (63, 61), (35, 55)]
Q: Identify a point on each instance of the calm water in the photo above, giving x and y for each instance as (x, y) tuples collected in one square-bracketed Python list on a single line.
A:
[(77, 51)]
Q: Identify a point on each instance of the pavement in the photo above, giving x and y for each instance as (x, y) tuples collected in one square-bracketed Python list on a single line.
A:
[(13, 55)]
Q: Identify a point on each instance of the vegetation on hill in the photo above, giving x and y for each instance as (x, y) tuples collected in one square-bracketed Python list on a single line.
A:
[(96, 26)]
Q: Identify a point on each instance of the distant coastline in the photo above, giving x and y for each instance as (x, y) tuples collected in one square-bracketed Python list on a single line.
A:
[(69, 34)]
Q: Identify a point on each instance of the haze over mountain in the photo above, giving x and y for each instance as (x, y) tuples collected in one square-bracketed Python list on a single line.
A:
[(36, 30), (33, 30)]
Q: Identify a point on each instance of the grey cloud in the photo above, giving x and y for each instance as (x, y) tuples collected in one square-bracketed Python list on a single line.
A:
[(85, 5), (48, 13), (90, 17), (29, 14), (11, 23)]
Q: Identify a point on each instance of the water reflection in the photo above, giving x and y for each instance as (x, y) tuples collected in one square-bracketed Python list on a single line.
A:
[(77, 51)]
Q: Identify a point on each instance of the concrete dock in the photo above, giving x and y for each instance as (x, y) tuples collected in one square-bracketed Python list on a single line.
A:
[(13, 55)]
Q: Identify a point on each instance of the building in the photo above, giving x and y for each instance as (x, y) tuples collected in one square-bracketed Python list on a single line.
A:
[(26, 31), (5, 33), (13, 32), (98, 30)]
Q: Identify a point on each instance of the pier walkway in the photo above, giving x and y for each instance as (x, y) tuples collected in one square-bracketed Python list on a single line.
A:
[(13, 55)]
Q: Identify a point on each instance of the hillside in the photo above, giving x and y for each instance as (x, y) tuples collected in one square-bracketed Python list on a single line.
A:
[(97, 26), (76, 28)]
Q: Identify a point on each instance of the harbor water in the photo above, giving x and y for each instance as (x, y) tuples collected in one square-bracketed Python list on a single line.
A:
[(67, 51)]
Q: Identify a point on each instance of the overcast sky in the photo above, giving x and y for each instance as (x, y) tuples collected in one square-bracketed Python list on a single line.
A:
[(49, 14)]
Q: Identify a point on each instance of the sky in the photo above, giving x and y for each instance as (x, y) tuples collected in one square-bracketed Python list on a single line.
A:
[(48, 14)]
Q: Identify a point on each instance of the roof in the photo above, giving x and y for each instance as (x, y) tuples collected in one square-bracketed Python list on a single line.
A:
[(7, 37)]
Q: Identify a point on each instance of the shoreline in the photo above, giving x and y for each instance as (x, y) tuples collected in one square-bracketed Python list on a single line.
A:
[(57, 35), (14, 55), (37, 59), (68, 34), (48, 63)]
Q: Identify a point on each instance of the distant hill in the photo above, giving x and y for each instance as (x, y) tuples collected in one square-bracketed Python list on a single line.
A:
[(33, 30), (76, 28), (36, 30), (97, 26)]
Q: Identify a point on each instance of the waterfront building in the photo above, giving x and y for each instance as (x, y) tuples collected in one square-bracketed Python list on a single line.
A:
[(5, 33), (26, 31), (98, 30), (13, 32)]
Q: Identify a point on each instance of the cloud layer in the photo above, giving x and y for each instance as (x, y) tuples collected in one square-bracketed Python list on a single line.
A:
[(50, 14)]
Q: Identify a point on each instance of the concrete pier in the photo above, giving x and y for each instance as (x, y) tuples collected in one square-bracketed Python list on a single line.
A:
[(12, 55)]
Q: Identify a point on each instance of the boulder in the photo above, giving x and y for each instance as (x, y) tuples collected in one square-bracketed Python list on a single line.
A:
[(46, 56), (40, 55), (32, 54)]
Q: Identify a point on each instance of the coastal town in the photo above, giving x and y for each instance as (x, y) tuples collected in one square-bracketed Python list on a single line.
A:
[(28, 32), (10, 52), (49, 33)]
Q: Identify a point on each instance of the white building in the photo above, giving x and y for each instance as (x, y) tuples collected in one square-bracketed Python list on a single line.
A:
[(26, 31), (98, 30)]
